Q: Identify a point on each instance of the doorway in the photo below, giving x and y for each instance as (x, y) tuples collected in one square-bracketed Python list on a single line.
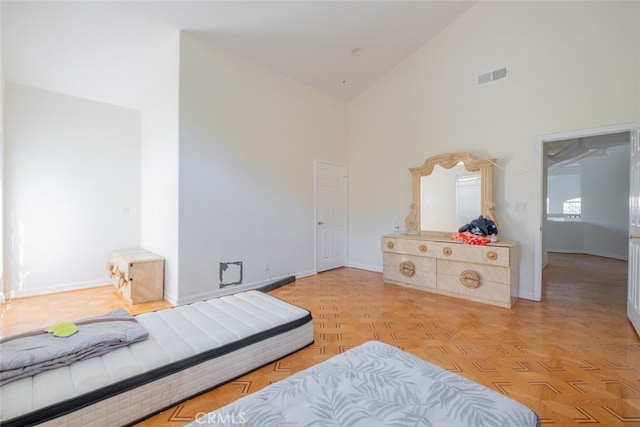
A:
[(544, 145)]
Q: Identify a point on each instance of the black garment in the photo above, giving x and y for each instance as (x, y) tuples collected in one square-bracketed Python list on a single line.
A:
[(480, 227)]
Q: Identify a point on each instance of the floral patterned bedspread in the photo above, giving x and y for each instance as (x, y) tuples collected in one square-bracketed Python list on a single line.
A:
[(374, 384)]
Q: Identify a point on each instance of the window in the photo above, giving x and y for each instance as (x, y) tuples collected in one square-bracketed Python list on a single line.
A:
[(564, 193), (572, 208), (467, 197)]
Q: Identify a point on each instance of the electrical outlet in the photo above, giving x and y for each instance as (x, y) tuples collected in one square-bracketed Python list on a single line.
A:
[(267, 267)]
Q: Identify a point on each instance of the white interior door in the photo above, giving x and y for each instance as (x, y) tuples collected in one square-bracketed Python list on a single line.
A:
[(331, 216), (633, 303)]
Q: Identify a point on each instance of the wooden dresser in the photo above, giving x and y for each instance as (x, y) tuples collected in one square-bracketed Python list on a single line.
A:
[(433, 262)]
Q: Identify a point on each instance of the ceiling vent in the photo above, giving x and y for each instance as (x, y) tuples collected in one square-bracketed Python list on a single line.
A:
[(492, 76)]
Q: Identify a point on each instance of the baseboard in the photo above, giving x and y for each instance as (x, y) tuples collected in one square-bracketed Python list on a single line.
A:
[(600, 254), (375, 269), (13, 293), (277, 284), (527, 295), (259, 285), (203, 296), (307, 273)]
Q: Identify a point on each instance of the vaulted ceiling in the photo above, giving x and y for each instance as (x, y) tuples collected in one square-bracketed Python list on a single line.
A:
[(106, 50)]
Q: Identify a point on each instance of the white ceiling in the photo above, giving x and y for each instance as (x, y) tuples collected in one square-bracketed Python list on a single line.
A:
[(570, 152), (106, 50)]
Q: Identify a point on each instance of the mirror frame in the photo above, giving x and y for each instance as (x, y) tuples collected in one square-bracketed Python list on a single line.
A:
[(447, 161)]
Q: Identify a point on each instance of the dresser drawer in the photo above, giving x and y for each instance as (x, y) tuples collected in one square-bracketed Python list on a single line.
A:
[(413, 270), (408, 246), (492, 292), (489, 273), (489, 255)]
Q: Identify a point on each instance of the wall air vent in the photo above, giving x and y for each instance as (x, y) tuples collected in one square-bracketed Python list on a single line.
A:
[(492, 76)]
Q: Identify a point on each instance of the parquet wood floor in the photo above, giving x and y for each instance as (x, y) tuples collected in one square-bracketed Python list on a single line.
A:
[(29, 313), (574, 358)]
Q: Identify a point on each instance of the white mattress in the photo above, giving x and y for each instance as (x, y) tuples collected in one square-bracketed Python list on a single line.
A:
[(190, 349)]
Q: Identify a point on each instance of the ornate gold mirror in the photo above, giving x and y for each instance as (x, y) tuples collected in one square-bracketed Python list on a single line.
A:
[(449, 191)]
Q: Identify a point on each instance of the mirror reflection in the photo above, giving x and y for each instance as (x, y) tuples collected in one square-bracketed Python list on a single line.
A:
[(449, 198)]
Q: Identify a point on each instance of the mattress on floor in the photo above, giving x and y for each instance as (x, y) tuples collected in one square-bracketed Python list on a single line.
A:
[(190, 349), (373, 384)]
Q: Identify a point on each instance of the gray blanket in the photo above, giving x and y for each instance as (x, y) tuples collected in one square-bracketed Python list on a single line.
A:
[(27, 354), (373, 384)]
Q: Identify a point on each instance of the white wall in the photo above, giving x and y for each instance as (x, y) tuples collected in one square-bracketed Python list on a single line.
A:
[(564, 237), (72, 173), (159, 163), (248, 141), (563, 76), (605, 204)]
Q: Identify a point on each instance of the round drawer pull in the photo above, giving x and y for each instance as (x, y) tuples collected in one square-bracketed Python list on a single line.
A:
[(390, 245), (470, 279), (407, 269), (422, 248), (492, 256), (447, 251)]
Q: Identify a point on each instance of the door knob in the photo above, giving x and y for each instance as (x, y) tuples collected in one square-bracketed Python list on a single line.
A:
[(320, 222), (634, 236)]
